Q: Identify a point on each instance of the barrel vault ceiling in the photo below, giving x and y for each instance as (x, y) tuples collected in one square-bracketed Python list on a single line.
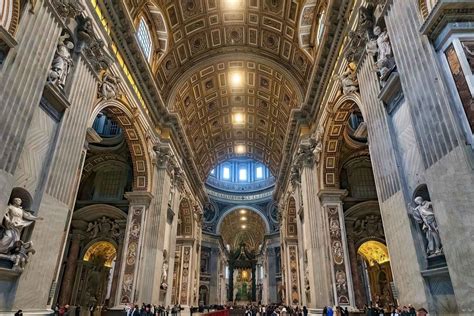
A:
[(263, 42)]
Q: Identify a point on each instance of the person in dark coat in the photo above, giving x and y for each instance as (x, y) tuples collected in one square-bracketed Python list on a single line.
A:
[(305, 311)]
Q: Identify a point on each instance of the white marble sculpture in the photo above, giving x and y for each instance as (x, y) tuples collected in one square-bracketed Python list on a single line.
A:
[(423, 213), (62, 63), (348, 80), (164, 271), (384, 57), (15, 219), (108, 88)]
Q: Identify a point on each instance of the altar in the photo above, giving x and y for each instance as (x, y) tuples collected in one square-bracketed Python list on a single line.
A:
[(242, 276)]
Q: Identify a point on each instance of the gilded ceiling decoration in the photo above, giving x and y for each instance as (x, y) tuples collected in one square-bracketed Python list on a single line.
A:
[(248, 228), (201, 28), (374, 252), (208, 99), (102, 251)]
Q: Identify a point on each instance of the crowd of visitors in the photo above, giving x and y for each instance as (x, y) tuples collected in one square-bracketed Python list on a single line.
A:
[(249, 310), (151, 310)]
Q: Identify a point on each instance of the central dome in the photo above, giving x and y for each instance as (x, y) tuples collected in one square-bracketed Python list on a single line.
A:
[(240, 175)]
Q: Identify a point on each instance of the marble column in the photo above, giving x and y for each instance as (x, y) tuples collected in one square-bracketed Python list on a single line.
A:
[(186, 285), (154, 235), (254, 283), (118, 263), (230, 293), (139, 204), (22, 68), (359, 297), (214, 281), (271, 275), (70, 270), (335, 229), (321, 293)]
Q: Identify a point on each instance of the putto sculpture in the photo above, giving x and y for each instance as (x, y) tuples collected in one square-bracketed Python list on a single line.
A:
[(423, 213)]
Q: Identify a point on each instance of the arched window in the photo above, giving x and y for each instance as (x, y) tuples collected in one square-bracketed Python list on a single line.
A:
[(144, 38), (320, 27)]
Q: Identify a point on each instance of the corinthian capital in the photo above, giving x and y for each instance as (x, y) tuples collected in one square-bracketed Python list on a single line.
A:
[(164, 156)]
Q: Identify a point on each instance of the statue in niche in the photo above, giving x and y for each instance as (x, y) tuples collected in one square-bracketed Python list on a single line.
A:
[(385, 61), (15, 219), (62, 62), (164, 271), (423, 213)]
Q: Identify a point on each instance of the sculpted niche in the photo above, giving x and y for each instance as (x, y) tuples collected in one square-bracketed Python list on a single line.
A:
[(62, 62), (11, 246), (423, 214)]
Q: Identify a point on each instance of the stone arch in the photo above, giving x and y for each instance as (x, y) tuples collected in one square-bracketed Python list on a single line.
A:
[(10, 15), (361, 211), (335, 125), (95, 162), (247, 207), (291, 218), (421, 190), (185, 219), (135, 138), (24, 195)]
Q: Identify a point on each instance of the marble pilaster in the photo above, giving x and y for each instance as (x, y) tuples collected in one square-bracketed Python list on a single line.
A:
[(335, 228), (134, 237), (319, 282)]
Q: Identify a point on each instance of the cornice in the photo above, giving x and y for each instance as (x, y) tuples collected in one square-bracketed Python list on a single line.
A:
[(141, 71)]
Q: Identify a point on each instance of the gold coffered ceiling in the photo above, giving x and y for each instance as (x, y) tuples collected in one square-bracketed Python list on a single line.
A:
[(207, 100), (201, 28), (243, 226), (211, 40)]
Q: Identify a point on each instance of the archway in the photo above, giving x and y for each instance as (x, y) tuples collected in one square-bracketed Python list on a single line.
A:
[(134, 137), (347, 165), (116, 162), (96, 273), (95, 247), (377, 272)]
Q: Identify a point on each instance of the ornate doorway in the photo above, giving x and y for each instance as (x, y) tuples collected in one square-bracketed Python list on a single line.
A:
[(377, 273), (96, 270)]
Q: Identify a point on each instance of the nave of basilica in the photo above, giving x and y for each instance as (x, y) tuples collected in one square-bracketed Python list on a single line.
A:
[(225, 152)]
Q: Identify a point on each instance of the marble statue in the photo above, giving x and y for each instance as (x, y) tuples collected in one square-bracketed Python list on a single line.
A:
[(21, 254), (384, 56), (164, 271), (15, 219), (62, 63), (108, 88), (423, 213), (348, 80)]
